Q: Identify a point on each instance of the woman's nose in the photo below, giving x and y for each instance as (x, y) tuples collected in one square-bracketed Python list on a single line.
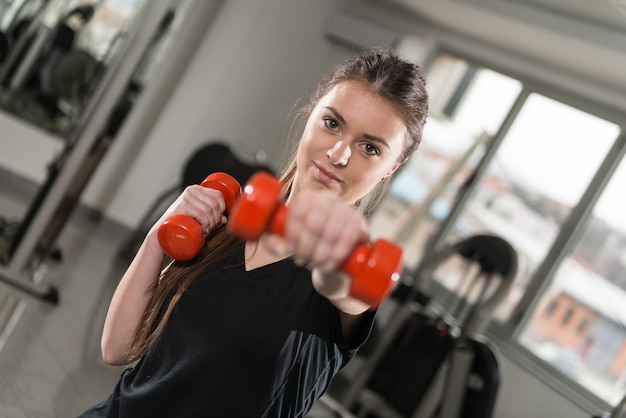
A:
[(340, 153)]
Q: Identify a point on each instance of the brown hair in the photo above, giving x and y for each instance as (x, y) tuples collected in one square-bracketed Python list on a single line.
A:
[(392, 78)]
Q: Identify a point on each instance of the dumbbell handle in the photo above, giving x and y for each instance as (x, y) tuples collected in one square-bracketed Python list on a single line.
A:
[(374, 268), (181, 236)]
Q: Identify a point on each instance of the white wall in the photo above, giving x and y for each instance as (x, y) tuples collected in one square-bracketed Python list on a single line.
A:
[(25, 149), (254, 61), (522, 395)]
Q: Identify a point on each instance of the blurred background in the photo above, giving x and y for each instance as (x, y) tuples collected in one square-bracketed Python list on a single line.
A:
[(104, 104)]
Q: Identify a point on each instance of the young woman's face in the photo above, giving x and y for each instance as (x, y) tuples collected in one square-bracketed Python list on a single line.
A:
[(352, 139)]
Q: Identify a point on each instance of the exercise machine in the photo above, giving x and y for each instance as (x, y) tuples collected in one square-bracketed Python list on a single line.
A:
[(432, 360), (87, 143)]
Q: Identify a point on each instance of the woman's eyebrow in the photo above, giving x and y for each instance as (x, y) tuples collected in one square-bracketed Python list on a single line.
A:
[(377, 139), (372, 138), (337, 115)]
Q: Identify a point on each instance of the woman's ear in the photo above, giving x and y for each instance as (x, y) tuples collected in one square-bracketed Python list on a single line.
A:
[(393, 170)]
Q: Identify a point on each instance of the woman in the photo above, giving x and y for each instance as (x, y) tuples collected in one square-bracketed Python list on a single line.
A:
[(259, 329)]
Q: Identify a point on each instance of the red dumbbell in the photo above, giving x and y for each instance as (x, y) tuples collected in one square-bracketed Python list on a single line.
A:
[(373, 268), (181, 236)]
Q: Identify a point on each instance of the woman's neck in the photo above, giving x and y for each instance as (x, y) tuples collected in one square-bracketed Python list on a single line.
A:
[(259, 253)]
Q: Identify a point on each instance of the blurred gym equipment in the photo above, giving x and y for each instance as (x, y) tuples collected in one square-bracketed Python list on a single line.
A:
[(27, 245), (431, 359)]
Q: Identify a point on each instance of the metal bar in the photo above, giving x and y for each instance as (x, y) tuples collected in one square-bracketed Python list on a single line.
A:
[(25, 69), (468, 188), (83, 138), (22, 42), (48, 294)]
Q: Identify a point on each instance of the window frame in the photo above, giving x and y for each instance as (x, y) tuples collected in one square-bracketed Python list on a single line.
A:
[(506, 333)]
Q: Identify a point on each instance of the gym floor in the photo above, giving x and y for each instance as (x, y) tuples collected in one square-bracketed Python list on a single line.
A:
[(49, 357), (50, 364)]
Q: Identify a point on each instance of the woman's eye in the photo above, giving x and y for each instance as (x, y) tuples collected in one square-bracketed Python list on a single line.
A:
[(331, 124), (371, 149)]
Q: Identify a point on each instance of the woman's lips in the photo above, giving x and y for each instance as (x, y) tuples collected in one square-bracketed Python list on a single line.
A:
[(326, 175)]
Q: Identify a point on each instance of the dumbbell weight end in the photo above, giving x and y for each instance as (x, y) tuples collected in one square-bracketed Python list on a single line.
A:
[(181, 236), (374, 269)]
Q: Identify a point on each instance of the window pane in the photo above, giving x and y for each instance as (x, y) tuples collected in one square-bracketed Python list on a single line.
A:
[(590, 282), (540, 171), (468, 104)]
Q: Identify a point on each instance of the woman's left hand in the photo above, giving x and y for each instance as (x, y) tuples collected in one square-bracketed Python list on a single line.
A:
[(322, 231)]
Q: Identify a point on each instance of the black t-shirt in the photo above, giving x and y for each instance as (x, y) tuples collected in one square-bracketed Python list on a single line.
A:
[(259, 343)]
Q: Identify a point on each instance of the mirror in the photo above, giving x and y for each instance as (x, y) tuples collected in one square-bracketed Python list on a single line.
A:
[(53, 54)]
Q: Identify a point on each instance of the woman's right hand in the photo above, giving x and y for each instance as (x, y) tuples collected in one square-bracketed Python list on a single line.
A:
[(203, 204)]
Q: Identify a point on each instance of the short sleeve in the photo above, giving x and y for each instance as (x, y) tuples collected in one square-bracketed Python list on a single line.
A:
[(359, 336)]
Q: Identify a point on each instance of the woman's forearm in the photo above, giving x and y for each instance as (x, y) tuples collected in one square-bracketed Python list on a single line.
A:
[(130, 300)]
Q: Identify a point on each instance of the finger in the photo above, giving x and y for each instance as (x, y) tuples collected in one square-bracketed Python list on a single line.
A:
[(354, 232), (295, 220), (278, 245), (314, 233), (213, 206), (325, 246), (203, 204), (295, 228), (351, 231)]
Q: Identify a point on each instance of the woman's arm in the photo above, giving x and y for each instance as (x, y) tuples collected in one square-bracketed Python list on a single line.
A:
[(323, 231), (130, 300), (335, 287), (135, 289)]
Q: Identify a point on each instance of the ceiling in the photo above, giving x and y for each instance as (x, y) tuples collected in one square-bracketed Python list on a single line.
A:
[(590, 20), (609, 14), (602, 14), (581, 37)]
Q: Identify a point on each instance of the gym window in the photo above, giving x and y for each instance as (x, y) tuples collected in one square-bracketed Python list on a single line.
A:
[(543, 170)]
